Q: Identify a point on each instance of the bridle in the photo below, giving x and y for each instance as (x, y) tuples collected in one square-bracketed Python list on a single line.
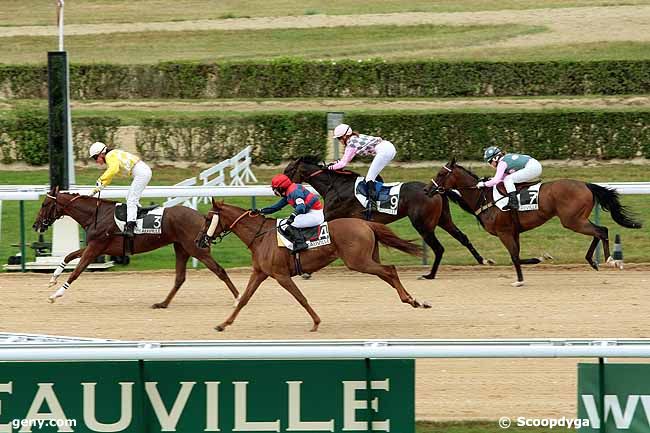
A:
[(226, 231), (48, 222)]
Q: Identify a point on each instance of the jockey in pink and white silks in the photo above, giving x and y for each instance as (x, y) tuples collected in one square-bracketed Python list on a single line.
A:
[(511, 168), (361, 144)]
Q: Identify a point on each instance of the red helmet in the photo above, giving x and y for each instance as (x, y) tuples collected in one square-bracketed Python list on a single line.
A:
[(280, 181)]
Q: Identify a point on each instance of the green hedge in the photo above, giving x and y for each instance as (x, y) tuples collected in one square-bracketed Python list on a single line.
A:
[(24, 136), (418, 136), (274, 137), (297, 78)]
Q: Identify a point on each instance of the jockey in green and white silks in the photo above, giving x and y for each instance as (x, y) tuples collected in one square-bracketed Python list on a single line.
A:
[(511, 168)]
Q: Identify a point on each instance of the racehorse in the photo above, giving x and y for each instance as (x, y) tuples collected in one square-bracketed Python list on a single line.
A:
[(353, 240), (180, 225), (425, 213), (570, 200)]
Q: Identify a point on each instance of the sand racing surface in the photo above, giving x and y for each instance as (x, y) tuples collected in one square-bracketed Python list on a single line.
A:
[(468, 302)]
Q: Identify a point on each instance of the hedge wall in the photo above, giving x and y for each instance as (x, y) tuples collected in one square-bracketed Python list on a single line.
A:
[(274, 137), (297, 78), (417, 136)]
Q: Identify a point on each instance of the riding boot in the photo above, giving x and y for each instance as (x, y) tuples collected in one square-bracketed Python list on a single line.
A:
[(298, 240), (513, 202), (129, 229)]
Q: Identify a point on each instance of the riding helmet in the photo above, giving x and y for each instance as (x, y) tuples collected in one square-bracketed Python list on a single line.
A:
[(280, 181), (491, 153)]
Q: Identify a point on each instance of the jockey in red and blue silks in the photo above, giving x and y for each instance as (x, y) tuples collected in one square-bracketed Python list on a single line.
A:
[(309, 210)]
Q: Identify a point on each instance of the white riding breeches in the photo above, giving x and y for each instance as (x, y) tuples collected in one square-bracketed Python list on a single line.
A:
[(141, 177), (532, 170), (312, 218), (385, 152)]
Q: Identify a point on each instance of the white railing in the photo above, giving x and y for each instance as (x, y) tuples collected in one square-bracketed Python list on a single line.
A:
[(326, 349)]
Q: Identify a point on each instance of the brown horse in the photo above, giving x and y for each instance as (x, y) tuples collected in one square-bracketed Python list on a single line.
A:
[(353, 240), (425, 213), (179, 226), (569, 200)]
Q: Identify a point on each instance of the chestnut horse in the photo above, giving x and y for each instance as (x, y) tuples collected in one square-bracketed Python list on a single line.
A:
[(570, 200), (425, 213), (355, 241), (180, 226)]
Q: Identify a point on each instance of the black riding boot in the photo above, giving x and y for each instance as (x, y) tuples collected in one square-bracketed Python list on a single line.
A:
[(129, 229), (299, 243), (513, 203)]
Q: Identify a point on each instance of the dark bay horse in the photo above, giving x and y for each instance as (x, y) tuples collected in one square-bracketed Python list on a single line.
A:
[(570, 200), (179, 227), (425, 213), (355, 241)]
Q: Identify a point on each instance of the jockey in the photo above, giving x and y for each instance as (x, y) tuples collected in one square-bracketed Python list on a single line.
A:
[(309, 210), (360, 144), (511, 168), (128, 164)]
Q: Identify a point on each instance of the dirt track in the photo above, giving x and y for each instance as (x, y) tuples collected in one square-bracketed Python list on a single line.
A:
[(468, 302)]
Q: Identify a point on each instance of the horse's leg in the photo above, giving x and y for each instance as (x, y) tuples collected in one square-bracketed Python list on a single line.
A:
[(205, 258), (286, 282), (91, 251), (438, 250), (181, 270), (363, 263), (254, 282), (59, 270), (586, 227), (510, 240), (448, 225), (427, 231)]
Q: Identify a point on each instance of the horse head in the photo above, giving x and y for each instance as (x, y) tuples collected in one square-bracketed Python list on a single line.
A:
[(212, 226), (49, 211), (302, 168)]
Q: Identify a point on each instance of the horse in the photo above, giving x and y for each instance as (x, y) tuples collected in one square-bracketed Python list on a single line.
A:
[(424, 212), (355, 241), (180, 225), (570, 200)]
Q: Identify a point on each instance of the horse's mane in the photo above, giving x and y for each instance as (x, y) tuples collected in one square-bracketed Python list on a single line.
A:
[(455, 197), (74, 194), (317, 161)]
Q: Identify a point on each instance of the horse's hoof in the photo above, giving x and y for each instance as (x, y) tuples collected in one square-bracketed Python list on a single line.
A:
[(314, 328), (51, 283), (489, 262), (547, 256), (517, 284), (427, 277), (306, 276), (426, 304), (159, 305), (220, 328), (51, 300)]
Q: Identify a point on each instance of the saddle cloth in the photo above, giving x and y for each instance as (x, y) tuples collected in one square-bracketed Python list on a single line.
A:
[(314, 236), (528, 198), (388, 201), (149, 220)]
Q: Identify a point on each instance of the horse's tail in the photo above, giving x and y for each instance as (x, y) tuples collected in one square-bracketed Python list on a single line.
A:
[(387, 237), (609, 201)]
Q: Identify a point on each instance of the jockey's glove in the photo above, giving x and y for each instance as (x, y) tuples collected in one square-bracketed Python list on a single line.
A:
[(481, 184), (255, 211), (94, 191), (332, 164)]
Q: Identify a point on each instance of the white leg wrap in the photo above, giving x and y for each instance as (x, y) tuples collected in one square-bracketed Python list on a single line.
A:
[(59, 270), (60, 292)]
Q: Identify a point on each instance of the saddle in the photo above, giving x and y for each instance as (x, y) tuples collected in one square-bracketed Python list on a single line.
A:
[(313, 236), (120, 211), (518, 186), (149, 219), (388, 196)]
